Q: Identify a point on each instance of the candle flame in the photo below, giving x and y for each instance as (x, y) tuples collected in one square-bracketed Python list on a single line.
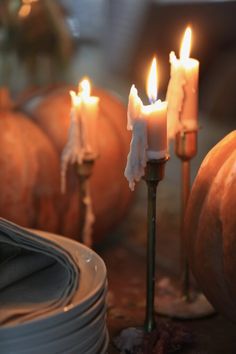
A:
[(186, 44), (85, 88), (152, 82), (75, 99)]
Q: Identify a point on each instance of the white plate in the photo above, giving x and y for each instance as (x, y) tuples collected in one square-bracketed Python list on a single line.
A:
[(103, 349), (62, 330), (91, 285), (91, 346), (83, 338), (94, 348), (101, 344)]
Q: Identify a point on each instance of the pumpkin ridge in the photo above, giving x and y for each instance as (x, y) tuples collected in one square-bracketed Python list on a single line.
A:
[(202, 244), (210, 229), (229, 244), (202, 184)]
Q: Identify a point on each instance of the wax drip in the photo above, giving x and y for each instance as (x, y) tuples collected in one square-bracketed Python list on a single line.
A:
[(73, 151), (89, 216), (137, 157), (175, 96)]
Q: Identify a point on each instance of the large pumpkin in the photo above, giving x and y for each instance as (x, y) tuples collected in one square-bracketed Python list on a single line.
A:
[(28, 189), (210, 230), (110, 193)]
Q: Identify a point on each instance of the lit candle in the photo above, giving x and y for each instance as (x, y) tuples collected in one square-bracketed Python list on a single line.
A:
[(155, 115), (89, 115), (182, 93), (82, 136), (149, 129)]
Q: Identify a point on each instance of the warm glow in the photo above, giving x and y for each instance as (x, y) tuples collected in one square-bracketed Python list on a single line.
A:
[(186, 44), (24, 10), (75, 99), (85, 88), (152, 82), (29, 1)]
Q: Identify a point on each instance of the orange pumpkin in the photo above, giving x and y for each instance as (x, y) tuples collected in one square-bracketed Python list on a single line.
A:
[(210, 229), (28, 187), (110, 193)]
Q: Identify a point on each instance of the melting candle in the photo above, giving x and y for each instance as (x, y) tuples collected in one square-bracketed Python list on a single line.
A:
[(149, 129), (182, 93)]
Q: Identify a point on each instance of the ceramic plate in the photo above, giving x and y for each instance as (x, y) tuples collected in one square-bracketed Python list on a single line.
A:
[(97, 347), (62, 329), (82, 338), (91, 285)]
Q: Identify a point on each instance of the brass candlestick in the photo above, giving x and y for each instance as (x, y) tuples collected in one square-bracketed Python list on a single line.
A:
[(185, 149), (154, 173), (84, 171), (171, 301)]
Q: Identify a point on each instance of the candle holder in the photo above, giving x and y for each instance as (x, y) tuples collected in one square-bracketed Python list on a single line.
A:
[(185, 149), (133, 337), (184, 302), (154, 173), (84, 171)]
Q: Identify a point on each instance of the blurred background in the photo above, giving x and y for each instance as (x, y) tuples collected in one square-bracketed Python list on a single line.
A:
[(45, 41), (48, 42)]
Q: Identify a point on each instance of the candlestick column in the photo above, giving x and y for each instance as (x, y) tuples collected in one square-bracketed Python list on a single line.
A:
[(154, 173)]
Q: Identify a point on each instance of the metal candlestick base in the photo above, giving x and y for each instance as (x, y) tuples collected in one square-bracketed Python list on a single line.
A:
[(84, 171), (183, 302), (171, 302), (154, 173)]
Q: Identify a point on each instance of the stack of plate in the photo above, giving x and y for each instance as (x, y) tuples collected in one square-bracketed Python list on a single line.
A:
[(79, 328)]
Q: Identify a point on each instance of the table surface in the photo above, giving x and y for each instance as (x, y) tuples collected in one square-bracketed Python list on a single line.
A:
[(126, 275)]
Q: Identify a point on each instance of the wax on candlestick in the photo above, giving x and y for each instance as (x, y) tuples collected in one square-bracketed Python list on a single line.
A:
[(182, 92), (137, 160), (73, 151), (81, 145), (134, 107), (89, 218), (149, 129), (89, 115), (175, 96), (83, 129)]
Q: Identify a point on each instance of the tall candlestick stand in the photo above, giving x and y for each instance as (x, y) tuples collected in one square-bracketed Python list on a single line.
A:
[(185, 149), (184, 302), (84, 171), (154, 173), (131, 338)]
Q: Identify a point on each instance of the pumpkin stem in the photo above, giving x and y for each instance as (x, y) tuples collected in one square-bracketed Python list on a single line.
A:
[(5, 99)]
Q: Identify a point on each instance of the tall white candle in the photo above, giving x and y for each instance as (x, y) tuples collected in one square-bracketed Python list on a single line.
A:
[(149, 126), (182, 93), (82, 143), (82, 136), (89, 116)]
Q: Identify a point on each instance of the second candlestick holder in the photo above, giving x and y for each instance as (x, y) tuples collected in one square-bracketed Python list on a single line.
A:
[(183, 301)]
